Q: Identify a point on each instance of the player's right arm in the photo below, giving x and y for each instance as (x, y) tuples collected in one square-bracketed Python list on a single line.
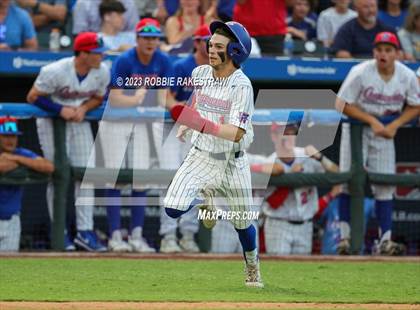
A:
[(41, 100), (118, 96), (348, 96)]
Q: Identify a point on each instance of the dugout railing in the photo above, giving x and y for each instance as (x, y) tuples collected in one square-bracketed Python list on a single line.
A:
[(64, 173)]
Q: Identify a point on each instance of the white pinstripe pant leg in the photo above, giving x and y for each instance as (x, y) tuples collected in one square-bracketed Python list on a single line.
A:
[(115, 138), (278, 236), (46, 141), (302, 243), (79, 144), (237, 187), (10, 234), (381, 159), (345, 150), (171, 152), (81, 147), (197, 172)]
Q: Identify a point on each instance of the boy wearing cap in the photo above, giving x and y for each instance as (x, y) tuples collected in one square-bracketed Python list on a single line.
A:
[(128, 75), (188, 224), (12, 157), (69, 88), (373, 89)]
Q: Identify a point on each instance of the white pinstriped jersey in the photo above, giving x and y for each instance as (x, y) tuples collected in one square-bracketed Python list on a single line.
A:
[(59, 79), (229, 103), (301, 203), (365, 88)]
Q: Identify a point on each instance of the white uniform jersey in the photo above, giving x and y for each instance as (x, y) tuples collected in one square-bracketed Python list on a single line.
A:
[(301, 203), (365, 88), (231, 103), (59, 79)]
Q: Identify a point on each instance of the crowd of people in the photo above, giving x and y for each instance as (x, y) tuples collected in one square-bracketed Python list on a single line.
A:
[(103, 25), (340, 28)]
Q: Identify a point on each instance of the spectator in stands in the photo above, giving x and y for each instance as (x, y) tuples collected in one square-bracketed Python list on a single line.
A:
[(300, 24), (146, 8), (289, 211), (410, 34), (355, 38), (86, 16), (46, 14), (11, 157), (331, 19), (393, 12), (265, 20), (16, 28), (180, 28), (112, 16)]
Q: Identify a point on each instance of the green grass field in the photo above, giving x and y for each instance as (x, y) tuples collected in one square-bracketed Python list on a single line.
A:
[(58, 279)]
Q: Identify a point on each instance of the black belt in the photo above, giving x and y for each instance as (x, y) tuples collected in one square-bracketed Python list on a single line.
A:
[(221, 156), (298, 222)]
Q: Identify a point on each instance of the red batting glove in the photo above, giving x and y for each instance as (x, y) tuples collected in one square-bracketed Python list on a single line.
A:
[(189, 117)]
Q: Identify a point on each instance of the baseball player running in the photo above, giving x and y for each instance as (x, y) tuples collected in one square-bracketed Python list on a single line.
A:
[(221, 120), (12, 157), (289, 212), (372, 89), (188, 224), (145, 61), (70, 87)]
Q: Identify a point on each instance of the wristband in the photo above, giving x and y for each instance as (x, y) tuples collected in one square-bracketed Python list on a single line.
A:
[(47, 104), (320, 157), (210, 128)]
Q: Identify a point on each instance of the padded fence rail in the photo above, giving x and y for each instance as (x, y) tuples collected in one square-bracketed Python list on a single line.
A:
[(356, 178)]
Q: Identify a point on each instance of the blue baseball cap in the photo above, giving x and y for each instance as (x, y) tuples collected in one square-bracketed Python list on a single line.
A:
[(8, 126)]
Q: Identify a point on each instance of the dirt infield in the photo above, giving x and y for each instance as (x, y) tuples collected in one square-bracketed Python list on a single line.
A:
[(206, 256), (190, 305)]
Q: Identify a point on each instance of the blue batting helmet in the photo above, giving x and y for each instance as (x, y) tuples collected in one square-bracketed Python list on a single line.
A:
[(238, 51)]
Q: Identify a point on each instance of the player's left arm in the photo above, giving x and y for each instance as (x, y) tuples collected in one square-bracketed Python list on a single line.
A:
[(90, 104), (189, 117), (95, 100), (411, 110)]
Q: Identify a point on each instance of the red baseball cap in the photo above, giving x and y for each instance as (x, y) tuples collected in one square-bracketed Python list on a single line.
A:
[(148, 27), (202, 33), (89, 42), (388, 38)]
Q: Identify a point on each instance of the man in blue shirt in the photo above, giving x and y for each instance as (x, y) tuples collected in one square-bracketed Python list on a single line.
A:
[(16, 28), (12, 157), (134, 84), (355, 38)]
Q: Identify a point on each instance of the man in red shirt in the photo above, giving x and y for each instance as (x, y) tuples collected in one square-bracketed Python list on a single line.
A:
[(265, 20)]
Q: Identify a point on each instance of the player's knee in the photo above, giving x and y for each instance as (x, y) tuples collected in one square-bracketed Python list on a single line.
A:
[(173, 213)]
